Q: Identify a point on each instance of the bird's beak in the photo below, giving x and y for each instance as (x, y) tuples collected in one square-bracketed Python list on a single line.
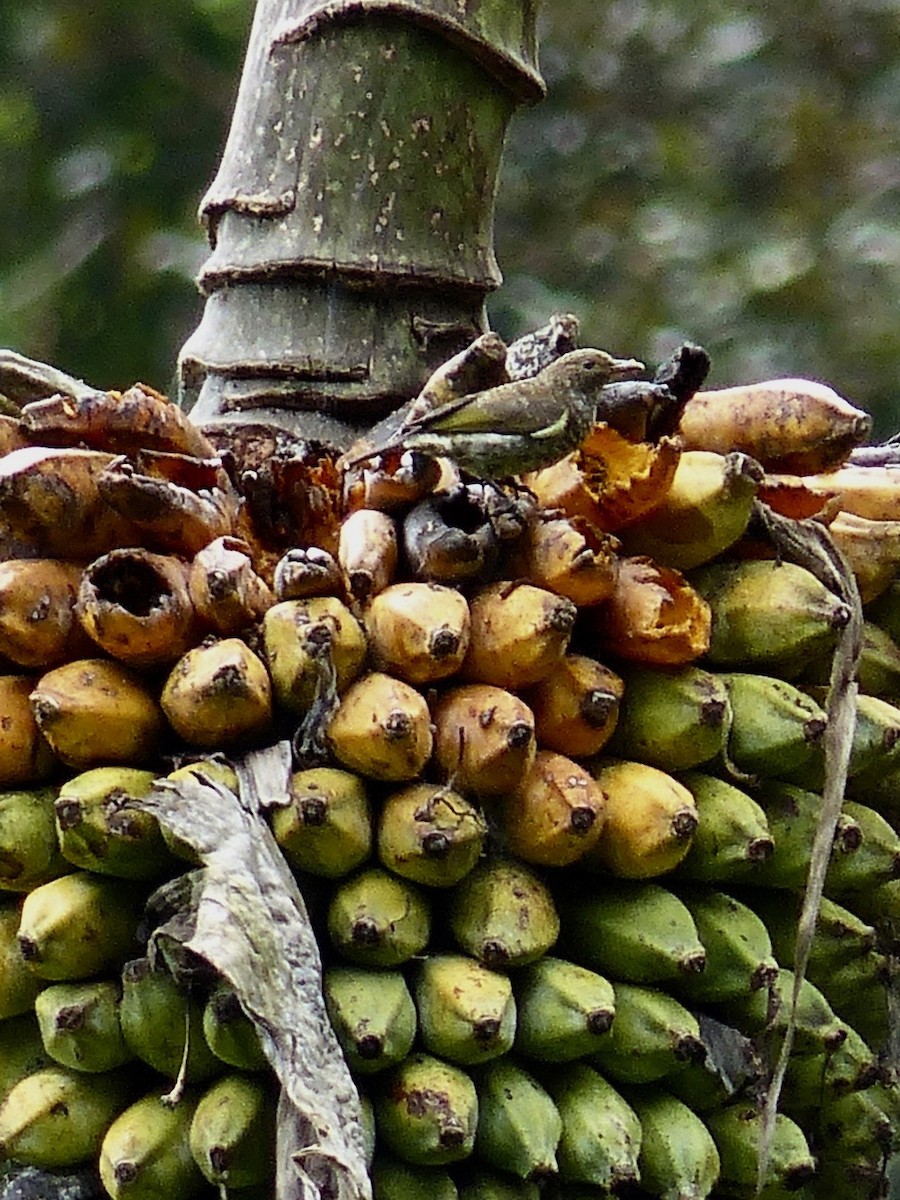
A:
[(625, 368)]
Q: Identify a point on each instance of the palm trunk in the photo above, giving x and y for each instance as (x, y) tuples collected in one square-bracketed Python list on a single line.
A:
[(351, 220)]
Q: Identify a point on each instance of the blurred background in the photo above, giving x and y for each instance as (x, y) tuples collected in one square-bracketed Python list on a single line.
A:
[(710, 170)]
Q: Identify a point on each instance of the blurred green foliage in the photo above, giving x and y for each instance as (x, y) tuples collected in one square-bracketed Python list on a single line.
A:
[(706, 169), (111, 123), (721, 171)]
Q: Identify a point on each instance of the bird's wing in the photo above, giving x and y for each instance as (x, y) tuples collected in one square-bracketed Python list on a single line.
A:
[(554, 428), (478, 414)]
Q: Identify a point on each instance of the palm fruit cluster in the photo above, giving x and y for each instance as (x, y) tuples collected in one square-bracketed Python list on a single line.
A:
[(558, 748)]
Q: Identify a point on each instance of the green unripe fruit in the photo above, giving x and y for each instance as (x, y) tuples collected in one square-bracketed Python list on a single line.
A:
[(632, 930), (378, 920), (793, 815), (519, 1126), (101, 830), (426, 1111), (430, 834), (393, 1179), (157, 1017), (21, 1050), (29, 851), (601, 1136), (732, 836), (230, 1033), (841, 935), (736, 1131), (813, 1080), (651, 1038), (18, 985), (327, 827), (877, 860), (879, 663), (678, 1156), (79, 925), (563, 1009), (482, 1183), (232, 1134), (768, 616), (146, 1152), (57, 1117), (80, 1025), (372, 1014), (673, 720), (776, 730), (816, 1026), (467, 1013), (502, 914), (738, 948)]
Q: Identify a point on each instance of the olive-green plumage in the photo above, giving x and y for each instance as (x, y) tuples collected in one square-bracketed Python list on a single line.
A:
[(519, 426)]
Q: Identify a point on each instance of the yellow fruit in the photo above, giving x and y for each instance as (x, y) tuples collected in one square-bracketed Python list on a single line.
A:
[(577, 707), (520, 634), (705, 511), (555, 815), (650, 820), (786, 424), (484, 738), (297, 634), (382, 729), (569, 556), (92, 711), (225, 590), (38, 627), (653, 616), (135, 605), (25, 754), (418, 631), (218, 694)]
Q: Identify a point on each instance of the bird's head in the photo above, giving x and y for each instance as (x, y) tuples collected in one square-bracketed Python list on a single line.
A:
[(589, 370)]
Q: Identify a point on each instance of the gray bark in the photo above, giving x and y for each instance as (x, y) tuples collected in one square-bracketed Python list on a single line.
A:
[(351, 220)]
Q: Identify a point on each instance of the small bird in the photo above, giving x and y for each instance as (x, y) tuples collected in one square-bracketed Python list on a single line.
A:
[(515, 427)]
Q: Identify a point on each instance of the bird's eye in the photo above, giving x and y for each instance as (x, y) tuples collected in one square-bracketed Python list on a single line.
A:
[(590, 364)]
